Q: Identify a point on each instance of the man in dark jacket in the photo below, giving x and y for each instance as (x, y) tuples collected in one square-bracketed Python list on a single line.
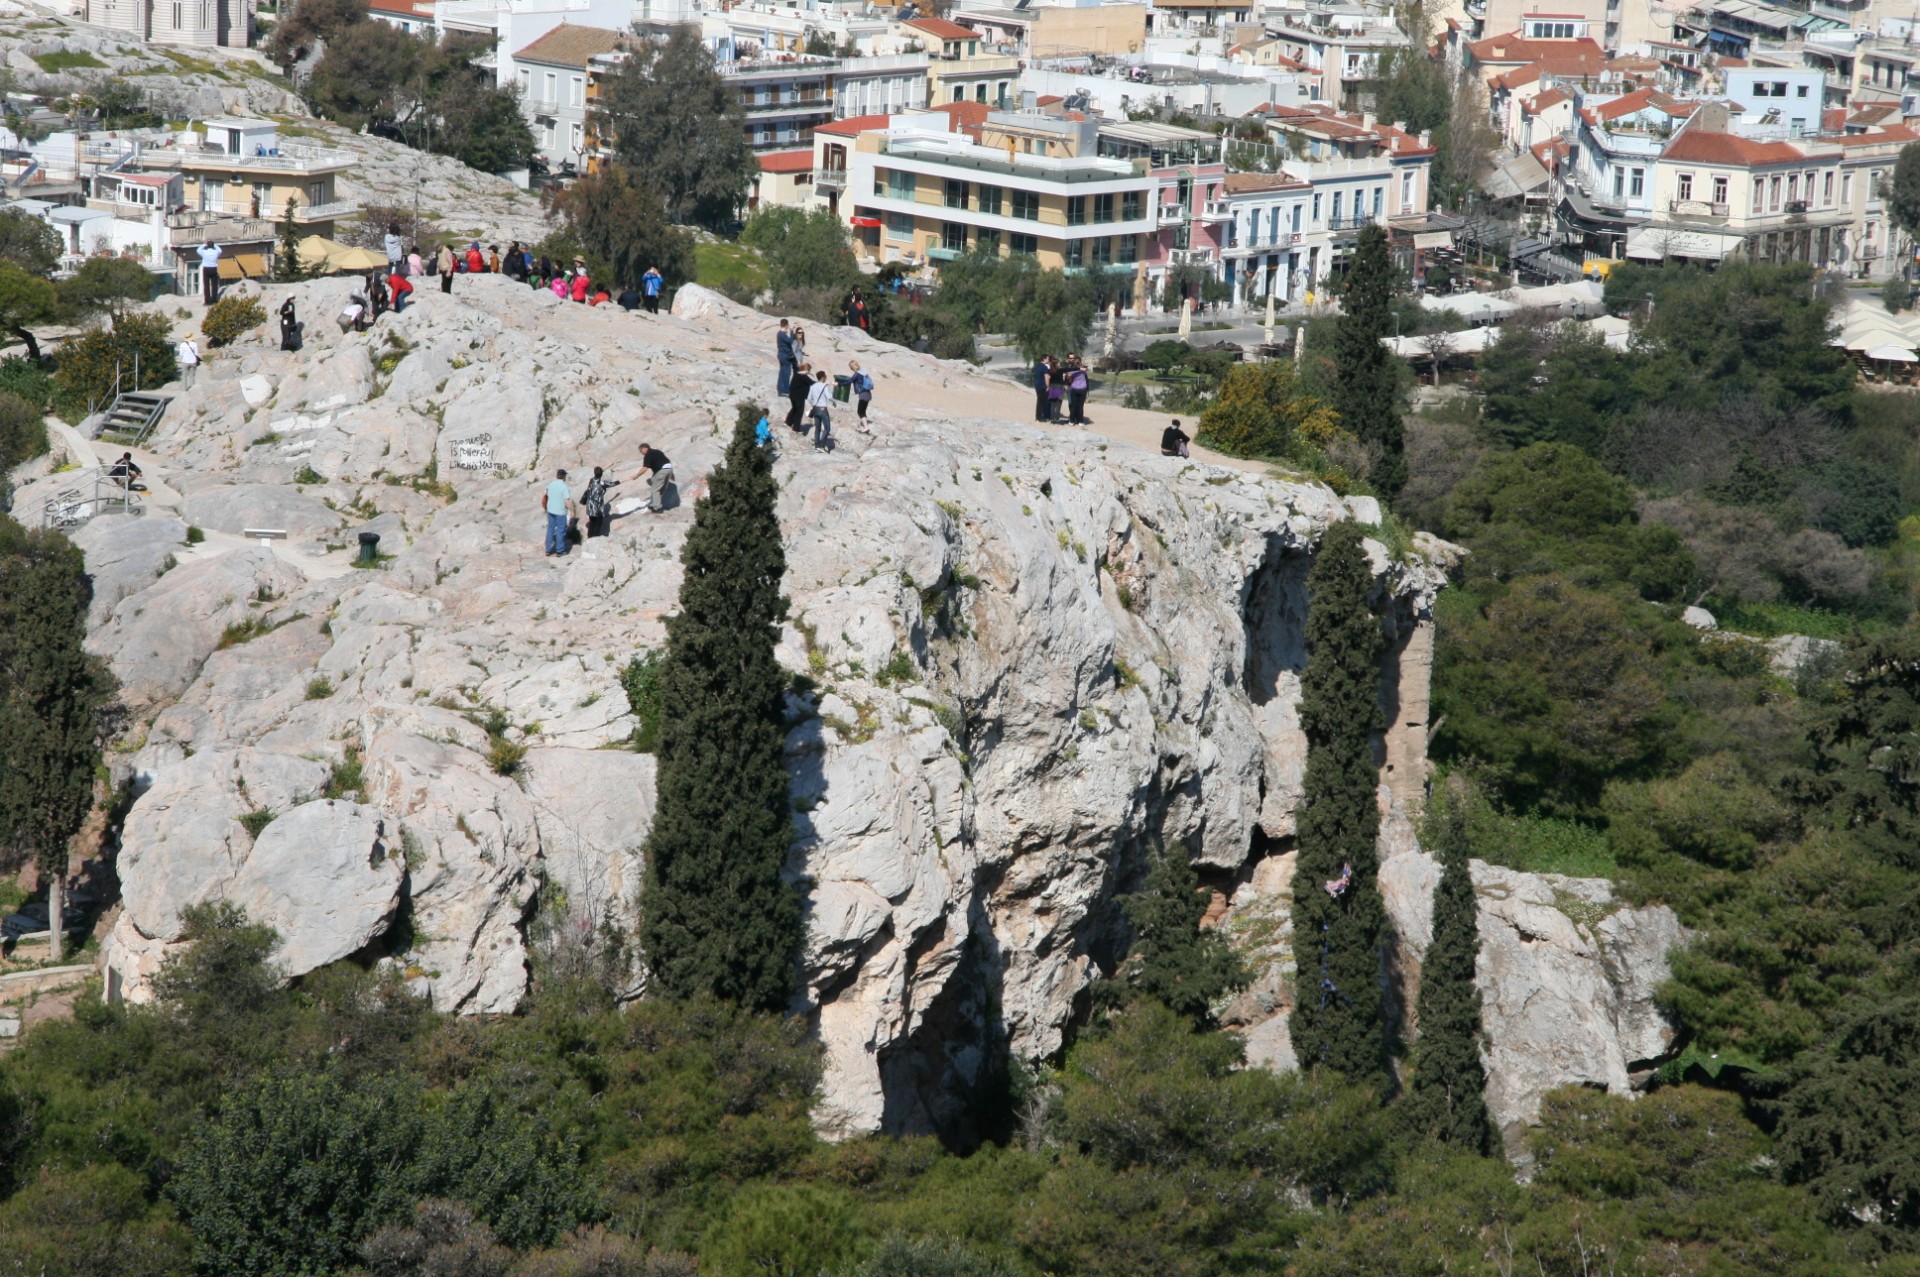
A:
[(1042, 379)]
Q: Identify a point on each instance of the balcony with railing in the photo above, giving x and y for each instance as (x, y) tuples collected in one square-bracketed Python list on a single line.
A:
[(1697, 208), (1172, 214), (831, 179), (1357, 222), (1214, 211)]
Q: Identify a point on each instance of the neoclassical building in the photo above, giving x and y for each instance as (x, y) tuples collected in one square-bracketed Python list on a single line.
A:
[(227, 23)]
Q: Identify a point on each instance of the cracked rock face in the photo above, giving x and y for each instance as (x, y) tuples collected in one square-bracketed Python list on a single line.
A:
[(1035, 656)]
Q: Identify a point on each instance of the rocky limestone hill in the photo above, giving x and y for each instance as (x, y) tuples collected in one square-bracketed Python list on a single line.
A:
[(1035, 655)]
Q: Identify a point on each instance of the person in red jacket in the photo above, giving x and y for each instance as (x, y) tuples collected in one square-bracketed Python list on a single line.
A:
[(476, 260), (580, 284), (402, 289)]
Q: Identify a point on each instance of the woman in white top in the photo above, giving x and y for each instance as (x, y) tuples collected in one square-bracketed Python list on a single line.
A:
[(820, 408)]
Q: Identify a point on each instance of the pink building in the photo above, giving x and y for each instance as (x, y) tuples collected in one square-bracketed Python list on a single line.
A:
[(1190, 217)]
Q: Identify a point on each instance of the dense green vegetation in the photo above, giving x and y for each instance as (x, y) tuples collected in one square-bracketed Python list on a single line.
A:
[(1725, 458)]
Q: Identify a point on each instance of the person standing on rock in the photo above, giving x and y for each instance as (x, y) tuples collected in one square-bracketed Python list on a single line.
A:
[(861, 386), (396, 250), (476, 260), (783, 349), (1077, 391), (650, 285), (187, 355), (289, 326), (797, 388), (581, 284), (415, 267), (560, 508), (820, 408), (799, 345), (1042, 382), (599, 509), (210, 272), (444, 260), (659, 473)]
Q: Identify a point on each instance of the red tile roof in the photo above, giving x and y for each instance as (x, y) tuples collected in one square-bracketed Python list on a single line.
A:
[(1701, 147), (572, 46), (1543, 101), (941, 29), (854, 125), (1900, 133), (787, 161), (965, 117), (1512, 50), (1236, 183)]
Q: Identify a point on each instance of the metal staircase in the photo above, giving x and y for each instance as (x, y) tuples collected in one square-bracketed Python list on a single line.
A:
[(130, 418)]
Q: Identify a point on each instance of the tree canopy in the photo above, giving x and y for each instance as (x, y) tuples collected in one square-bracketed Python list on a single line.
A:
[(680, 128)]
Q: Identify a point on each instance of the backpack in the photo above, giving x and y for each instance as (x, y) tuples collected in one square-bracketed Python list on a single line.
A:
[(862, 384)]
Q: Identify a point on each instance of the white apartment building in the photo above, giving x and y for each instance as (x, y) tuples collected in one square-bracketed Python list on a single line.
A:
[(557, 79), (215, 23), (915, 193)]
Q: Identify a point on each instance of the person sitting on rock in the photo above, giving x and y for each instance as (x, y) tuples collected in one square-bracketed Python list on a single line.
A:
[(1173, 440), (126, 473)]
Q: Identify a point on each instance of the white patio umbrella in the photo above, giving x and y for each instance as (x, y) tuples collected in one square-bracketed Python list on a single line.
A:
[(1186, 318)]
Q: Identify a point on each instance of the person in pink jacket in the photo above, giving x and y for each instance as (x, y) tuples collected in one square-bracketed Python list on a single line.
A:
[(560, 286)]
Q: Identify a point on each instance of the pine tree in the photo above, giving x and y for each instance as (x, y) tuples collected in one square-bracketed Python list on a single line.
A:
[(1448, 1096), (289, 249), (717, 919), (1338, 918), (1174, 959), (52, 695), (1366, 385)]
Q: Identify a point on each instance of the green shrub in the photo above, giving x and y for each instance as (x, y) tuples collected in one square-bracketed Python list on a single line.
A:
[(781, 1230), (136, 352), (307, 474), (23, 431), (318, 689), (195, 535), (256, 821), (231, 318), (346, 776), (505, 756), (27, 378), (641, 681)]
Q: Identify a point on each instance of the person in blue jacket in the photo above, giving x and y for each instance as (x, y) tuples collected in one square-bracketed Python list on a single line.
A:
[(650, 284)]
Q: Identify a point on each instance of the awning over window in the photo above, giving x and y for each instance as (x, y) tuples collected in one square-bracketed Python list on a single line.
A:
[(1433, 239), (872, 223), (1656, 243)]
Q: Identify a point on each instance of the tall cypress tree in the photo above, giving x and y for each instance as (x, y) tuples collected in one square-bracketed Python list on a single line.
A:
[(1366, 385), (716, 918), (1338, 918), (1448, 1100), (51, 698)]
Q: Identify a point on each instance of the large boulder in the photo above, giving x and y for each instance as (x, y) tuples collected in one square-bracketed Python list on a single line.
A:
[(325, 874), (301, 516)]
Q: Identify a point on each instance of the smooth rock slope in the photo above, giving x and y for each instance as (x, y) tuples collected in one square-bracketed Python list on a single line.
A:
[(1035, 656)]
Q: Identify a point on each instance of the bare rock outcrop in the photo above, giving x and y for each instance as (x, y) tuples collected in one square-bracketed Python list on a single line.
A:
[(1034, 656)]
